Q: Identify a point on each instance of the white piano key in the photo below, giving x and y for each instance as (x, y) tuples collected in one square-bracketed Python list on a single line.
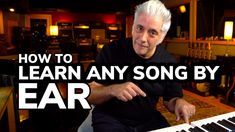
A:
[(198, 123), (175, 128), (213, 119), (198, 127)]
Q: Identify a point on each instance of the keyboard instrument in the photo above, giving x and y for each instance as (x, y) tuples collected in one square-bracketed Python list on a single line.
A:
[(220, 123)]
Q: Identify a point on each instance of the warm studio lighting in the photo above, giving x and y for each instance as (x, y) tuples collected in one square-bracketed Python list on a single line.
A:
[(82, 27), (12, 10), (182, 9), (54, 30), (228, 30), (113, 28)]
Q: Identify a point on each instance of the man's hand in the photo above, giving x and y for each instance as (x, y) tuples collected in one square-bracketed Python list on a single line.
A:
[(184, 110), (126, 91)]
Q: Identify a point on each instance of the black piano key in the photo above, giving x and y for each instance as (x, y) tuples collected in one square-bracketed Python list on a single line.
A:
[(218, 127), (213, 127), (231, 124), (208, 128), (227, 124), (196, 129), (192, 130), (232, 119), (199, 129)]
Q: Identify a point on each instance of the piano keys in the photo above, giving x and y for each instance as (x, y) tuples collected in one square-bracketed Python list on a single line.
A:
[(220, 123)]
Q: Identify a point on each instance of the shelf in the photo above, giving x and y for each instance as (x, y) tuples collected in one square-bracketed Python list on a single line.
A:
[(177, 40), (216, 42)]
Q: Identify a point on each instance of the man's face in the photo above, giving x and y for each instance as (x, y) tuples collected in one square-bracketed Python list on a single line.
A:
[(146, 35)]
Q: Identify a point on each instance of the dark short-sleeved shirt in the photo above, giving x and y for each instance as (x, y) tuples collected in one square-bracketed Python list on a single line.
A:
[(139, 109)]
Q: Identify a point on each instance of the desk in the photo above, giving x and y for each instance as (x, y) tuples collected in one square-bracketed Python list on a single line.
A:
[(7, 103)]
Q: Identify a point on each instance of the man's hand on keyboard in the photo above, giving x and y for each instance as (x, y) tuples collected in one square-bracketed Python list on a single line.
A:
[(184, 110)]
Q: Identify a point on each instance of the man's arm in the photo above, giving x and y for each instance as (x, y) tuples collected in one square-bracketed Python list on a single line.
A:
[(170, 105), (181, 108), (125, 91), (99, 93)]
